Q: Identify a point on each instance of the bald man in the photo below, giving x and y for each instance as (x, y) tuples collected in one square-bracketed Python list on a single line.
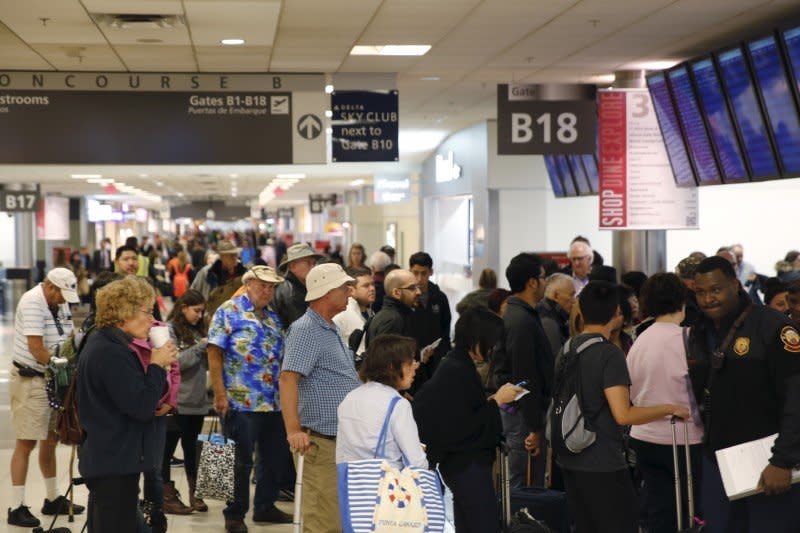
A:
[(402, 296)]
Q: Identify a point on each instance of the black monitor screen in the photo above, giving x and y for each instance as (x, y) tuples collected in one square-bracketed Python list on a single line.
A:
[(590, 164), (723, 134), (566, 176), (581, 179), (671, 131), (778, 101), (747, 113), (693, 126), (552, 172)]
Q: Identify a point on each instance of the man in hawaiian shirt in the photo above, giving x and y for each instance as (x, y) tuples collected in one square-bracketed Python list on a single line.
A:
[(244, 349)]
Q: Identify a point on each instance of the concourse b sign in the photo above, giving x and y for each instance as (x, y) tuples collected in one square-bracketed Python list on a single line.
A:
[(131, 118), (546, 119)]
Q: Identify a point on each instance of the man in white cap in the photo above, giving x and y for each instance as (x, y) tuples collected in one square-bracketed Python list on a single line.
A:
[(244, 351), (219, 281), (316, 375), (290, 297), (41, 323)]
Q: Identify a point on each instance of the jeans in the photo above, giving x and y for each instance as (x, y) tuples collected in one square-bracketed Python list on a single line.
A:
[(266, 432), (515, 431), (755, 514), (153, 483), (474, 500)]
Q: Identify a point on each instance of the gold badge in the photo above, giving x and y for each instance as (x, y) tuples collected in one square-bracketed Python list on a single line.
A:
[(790, 339), (741, 346)]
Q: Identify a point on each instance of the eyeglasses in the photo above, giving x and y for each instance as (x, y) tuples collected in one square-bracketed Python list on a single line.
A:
[(147, 312), (412, 288)]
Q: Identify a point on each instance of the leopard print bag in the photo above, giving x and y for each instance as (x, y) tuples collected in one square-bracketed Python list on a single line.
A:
[(216, 467)]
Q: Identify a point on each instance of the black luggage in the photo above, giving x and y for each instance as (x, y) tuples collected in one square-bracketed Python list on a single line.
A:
[(692, 527)]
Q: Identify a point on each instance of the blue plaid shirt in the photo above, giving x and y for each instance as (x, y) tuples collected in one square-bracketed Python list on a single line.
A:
[(315, 350)]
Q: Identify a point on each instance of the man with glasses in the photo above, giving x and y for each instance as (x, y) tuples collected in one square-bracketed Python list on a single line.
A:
[(402, 296), (41, 323), (524, 354), (581, 257)]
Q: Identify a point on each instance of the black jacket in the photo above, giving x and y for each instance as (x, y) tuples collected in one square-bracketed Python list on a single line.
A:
[(290, 300), (116, 405), (555, 322), (455, 421), (432, 322), (524, 354), (750, 397), (392, 318)]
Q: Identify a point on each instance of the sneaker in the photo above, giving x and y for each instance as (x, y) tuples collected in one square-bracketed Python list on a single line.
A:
[(21, 516), (272, 515), (60, 506), (235, 526)]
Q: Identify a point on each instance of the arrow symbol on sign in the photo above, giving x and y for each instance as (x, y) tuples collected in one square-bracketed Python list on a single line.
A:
[(309, 126)]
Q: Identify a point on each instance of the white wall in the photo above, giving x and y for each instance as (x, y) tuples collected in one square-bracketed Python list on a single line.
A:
[(762, 217), (8, 256)]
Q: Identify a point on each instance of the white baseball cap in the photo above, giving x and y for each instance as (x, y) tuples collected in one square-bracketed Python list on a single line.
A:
[(324, 278), (64, 279)]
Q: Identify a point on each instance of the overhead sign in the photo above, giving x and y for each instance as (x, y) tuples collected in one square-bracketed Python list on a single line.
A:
[(392, 189), (318, 202), (122, 118), (546, 119), (19, 201), (365, 126), (637, 189)]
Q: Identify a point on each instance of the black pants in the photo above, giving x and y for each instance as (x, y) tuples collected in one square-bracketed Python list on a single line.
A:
[(113, 504), (186, 429), (656, 465), (474, 500), (601, 502)]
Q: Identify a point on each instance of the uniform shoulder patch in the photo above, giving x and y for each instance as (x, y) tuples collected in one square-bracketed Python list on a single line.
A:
[(790, 339), (741, 346)]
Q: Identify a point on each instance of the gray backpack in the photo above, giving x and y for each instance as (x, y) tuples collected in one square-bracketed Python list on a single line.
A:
[(568, 430)]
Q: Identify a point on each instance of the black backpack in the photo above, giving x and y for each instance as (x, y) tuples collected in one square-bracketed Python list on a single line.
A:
[(568, 430)]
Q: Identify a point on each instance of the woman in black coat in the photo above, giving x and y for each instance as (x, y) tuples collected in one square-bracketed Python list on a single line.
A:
[(460, 427)]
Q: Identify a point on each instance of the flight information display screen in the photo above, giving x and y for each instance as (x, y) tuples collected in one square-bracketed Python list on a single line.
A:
[(671, 131), (581, 179), (715, 109), (592, 172), (552, 172), (792, 40), (694, 126), (778, 100), (747, 113), (566, 176)]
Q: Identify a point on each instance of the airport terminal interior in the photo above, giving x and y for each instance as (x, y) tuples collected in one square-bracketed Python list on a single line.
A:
[(472, 130)]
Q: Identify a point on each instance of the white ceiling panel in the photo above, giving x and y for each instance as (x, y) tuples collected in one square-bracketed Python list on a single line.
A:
[(154, 57), (84, 57), (233, 59), (68, 22), (255, 21), (415, 21)]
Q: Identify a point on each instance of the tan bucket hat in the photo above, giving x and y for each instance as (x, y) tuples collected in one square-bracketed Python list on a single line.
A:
[(263, 273), (227, 247), (324, 278), (295, 252)]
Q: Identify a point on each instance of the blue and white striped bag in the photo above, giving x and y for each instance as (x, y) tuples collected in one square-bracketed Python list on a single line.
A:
[(376, 497)]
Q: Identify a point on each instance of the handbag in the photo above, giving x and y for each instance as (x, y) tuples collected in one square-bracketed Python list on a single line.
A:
[(375, 496), (216, 467)]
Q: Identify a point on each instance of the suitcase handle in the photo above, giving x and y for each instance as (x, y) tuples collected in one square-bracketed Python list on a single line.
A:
[(689, 486)]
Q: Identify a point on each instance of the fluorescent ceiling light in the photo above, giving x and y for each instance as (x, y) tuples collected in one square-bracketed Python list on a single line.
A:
[(430, 78), (232, 42), (85, 176), (159, 184), (357, 183), (290, 176), (391, 50)]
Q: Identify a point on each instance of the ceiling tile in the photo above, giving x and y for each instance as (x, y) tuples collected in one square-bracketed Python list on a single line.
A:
[(255, 21)]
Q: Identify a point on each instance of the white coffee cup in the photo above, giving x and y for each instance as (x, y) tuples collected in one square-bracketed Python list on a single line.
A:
[(159, 336)]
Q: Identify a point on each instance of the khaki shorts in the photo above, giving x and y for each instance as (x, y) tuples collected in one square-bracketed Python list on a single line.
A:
[(31, 415)]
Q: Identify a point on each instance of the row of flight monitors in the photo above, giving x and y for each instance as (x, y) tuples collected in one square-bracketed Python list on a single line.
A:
[(732, 117), (573, 175)]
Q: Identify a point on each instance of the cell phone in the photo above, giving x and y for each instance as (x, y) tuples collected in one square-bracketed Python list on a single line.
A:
[(523, 384)]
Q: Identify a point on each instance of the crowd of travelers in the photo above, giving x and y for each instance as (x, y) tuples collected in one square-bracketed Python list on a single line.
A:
[(300, 351)]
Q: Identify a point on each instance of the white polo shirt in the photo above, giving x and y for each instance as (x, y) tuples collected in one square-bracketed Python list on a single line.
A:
[(33, 318)]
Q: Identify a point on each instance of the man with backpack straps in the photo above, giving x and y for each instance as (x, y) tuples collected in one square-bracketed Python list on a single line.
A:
[(591, 402)]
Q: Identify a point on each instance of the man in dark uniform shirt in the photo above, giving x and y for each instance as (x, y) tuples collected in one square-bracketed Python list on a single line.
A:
[(745, 367)]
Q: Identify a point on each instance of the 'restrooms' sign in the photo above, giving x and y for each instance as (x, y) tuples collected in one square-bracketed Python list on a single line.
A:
[(130, 118)]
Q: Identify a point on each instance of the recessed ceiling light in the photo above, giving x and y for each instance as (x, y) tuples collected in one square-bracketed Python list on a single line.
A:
[(85, 176), (143, 175), (329, 89), (149, 40), (290, 176), (391, 50), (357, 183), (180, 194), (159, 184), (232, 42), (233, 175), (430, 78)]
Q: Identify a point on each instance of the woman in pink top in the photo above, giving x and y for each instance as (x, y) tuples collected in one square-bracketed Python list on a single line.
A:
[(659, 374)]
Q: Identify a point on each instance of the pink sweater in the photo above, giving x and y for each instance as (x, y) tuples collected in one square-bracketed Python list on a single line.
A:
[(143, 350), (659, 375)]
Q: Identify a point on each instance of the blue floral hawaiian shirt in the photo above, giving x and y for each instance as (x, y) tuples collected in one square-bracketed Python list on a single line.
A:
[(252, 346)]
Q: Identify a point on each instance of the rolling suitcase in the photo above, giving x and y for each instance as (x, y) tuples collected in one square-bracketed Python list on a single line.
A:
[(692, 526)]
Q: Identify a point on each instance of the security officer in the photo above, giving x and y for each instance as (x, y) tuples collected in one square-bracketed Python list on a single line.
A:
[(742, 359)]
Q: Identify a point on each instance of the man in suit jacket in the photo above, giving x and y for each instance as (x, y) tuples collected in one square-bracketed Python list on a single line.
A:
[(102, 260)]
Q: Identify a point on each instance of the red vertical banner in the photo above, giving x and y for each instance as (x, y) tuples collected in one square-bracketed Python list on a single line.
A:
[(612, 152)]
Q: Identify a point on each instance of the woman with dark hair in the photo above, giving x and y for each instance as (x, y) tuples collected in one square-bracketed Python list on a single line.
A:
[(498, 301), (660, 375), (357, 256), (387, 369), (480, 297), (188, 331), (460, 427), (776, 292)]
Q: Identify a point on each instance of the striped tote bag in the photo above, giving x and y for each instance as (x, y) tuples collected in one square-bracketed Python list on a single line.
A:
[(375, 496)]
